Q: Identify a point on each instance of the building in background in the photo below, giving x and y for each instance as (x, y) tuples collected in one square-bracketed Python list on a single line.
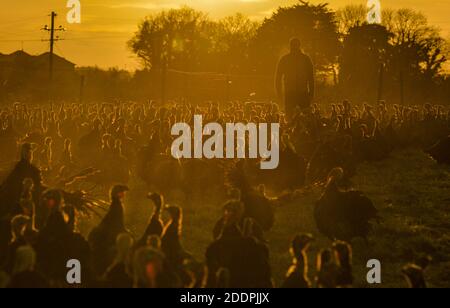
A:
[(26, 77)]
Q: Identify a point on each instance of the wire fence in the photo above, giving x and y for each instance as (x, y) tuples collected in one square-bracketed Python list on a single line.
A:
[(214, 86)]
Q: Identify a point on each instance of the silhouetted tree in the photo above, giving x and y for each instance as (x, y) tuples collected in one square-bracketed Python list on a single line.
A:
[(418, 41), (177, 37), (314, 25), (413, 59), (351, 16), (418, 54), (232, 37), (365, 49)]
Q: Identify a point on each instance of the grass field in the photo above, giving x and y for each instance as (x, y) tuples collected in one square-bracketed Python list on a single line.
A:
[(411, 191)]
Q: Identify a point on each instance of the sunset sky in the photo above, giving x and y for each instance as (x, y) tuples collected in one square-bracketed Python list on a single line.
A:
[(106, 25)]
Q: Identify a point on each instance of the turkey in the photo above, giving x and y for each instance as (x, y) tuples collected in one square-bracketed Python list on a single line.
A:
[(171, 238), (102, 238), (297, 275), (256, 204), (155, 225), (343, 215), (288, 176)]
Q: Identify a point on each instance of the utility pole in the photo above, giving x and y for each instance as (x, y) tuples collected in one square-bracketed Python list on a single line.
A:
[(52, 41)]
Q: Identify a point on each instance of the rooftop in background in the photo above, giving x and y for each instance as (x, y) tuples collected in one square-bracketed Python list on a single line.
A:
[(40, 61)]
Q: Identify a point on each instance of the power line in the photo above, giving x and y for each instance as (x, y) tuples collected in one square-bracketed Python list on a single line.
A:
[(24, 40), (52, 40), (87, 38)]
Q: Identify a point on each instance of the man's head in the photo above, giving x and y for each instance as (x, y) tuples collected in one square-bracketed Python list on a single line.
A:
[(295, 44)]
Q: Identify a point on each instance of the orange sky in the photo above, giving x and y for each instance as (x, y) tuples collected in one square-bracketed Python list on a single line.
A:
[(107, 24)]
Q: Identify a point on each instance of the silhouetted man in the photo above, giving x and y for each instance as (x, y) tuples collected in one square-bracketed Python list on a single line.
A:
[(295, 71)]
